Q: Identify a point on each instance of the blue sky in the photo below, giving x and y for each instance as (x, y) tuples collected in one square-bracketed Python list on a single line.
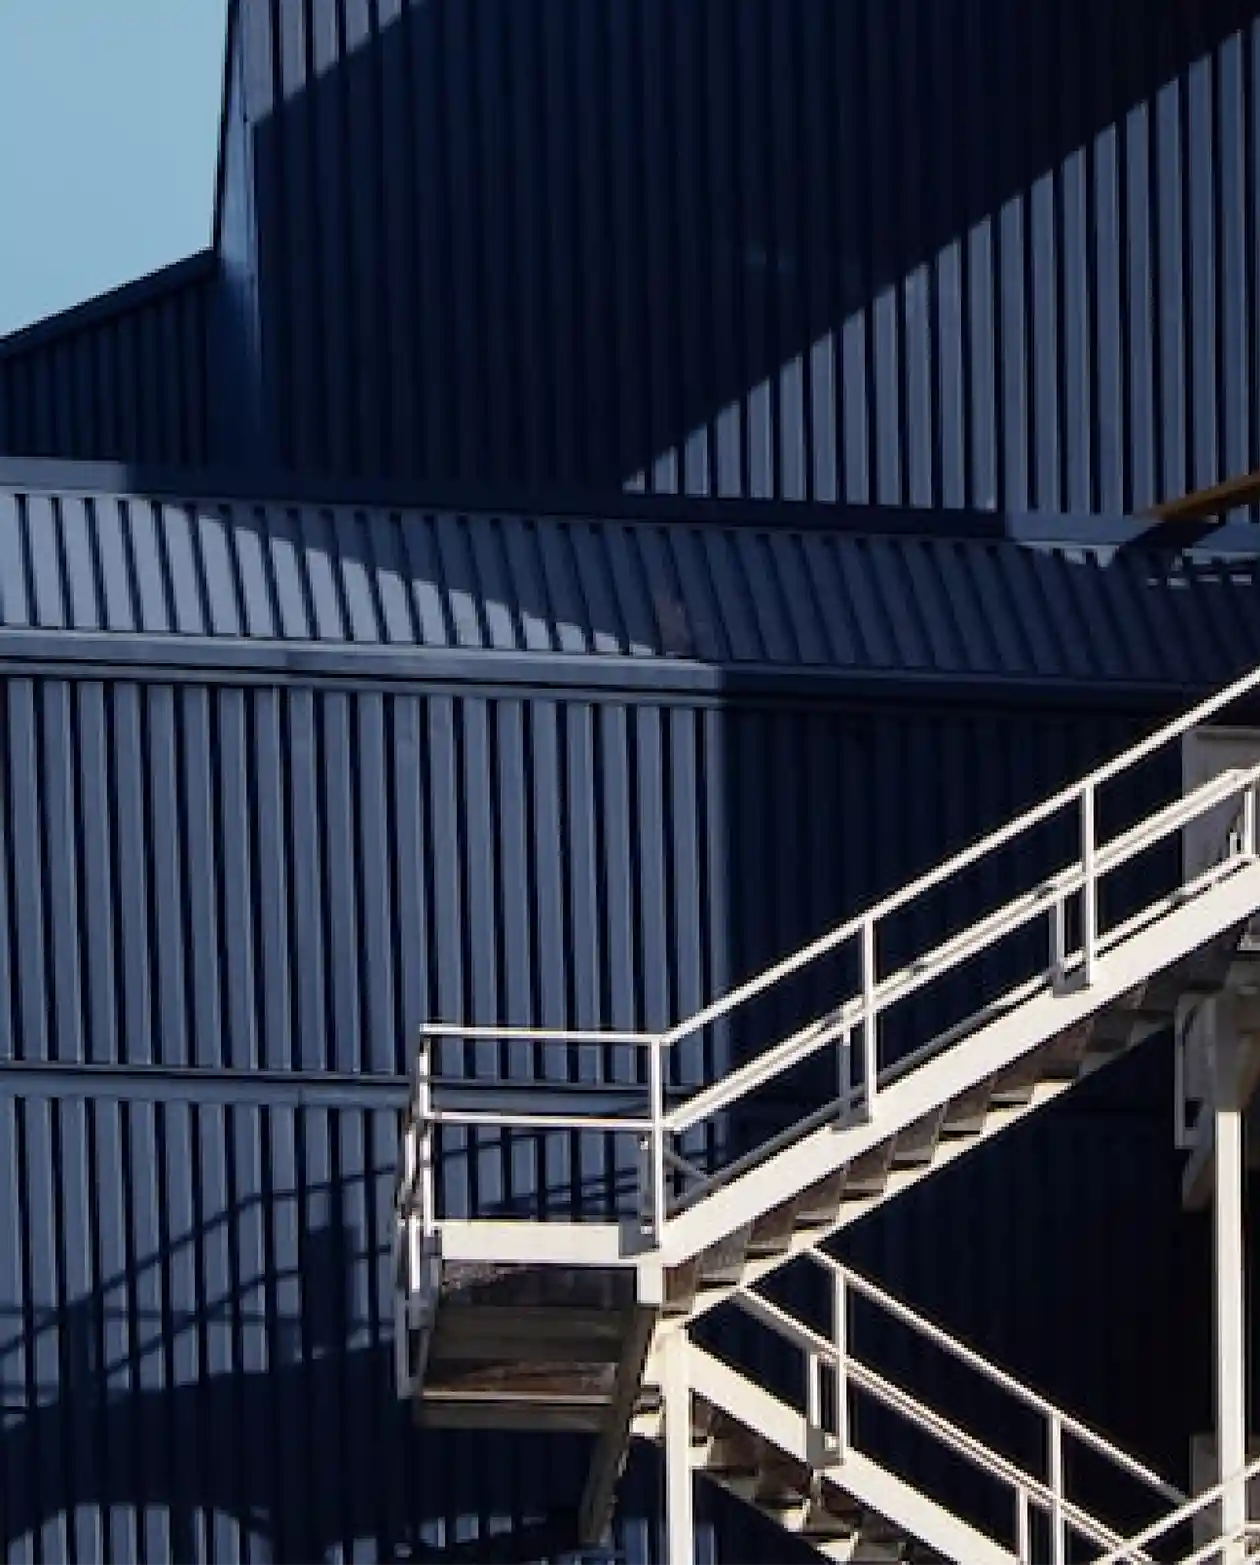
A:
[(109, 113)]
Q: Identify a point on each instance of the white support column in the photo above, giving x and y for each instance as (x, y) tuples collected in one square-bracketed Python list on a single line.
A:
[(1228, 1272), (676, 1395)]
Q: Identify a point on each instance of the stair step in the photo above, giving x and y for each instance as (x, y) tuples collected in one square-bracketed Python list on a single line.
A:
[(1062, 1057), (823, 1520), (724, 1261), (857, 1551), (1015, 1086), (772, 1231), (732, 1461), (868, 1173), (915, 1146), (820, 1203), (966, 1114)]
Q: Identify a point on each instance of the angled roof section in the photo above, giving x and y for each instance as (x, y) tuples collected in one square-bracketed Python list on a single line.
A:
[(1038, 598)]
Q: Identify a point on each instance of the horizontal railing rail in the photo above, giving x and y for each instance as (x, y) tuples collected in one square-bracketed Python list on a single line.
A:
[(853, 1028), (1075, 793), (657, 1123), (855, 1014), (1216, 1549), (922, 1327), (1030, 1493)]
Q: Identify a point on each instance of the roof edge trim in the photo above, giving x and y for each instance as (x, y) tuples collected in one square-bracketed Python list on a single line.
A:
[(220, 169), (182, 659), (210, 485), (201, 266)]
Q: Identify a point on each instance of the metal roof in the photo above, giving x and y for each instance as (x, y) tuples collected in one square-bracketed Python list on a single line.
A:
[(1084, 607)]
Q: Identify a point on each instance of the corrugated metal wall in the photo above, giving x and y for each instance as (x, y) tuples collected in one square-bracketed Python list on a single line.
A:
[(226, 904), (963, 254), (123, 378), (194, 1348), (195, 1334), (847, 599)]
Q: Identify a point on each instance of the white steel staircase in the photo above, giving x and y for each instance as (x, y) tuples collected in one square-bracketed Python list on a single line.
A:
[(595, 1325)]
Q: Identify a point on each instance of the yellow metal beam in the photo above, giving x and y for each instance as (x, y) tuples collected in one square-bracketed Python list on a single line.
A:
[(1203, 503)]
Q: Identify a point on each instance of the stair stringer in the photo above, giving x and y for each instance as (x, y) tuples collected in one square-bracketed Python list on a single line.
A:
[(1167, 938), (873, 1486), (852, 1210)]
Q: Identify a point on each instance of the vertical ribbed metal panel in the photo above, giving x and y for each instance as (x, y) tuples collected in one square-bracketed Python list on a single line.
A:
[(195, 1330), (195, 1351), (120, 380), (776, 599), (219, 875), (293, 878), (242, 876), (968, 254)]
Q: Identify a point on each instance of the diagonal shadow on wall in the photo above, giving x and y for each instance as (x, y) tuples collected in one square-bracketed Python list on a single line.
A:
[(760, 247)]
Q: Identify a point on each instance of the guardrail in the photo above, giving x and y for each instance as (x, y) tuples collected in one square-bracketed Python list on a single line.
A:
[(1249, 1533), (852, 1028), (833, 1358)]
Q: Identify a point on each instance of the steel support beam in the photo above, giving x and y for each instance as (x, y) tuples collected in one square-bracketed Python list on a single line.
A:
[(1228, 1265), (599, 1495), (676, 1397)]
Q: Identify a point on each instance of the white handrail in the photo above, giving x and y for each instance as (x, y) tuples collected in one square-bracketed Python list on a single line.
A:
[(1183, 1513), (1003, 922), (769, 976), (1025, 1485), (857, 1017), (942, 872), (1218, 1546), (999, 1377), (573, 1035)]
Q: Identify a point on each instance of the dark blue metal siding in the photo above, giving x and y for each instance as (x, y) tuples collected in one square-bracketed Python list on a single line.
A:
[(234, 329), (827, 602), (227, 898), (986, 255), (228, 875), (207, 876), (196, 1358), (195, 1327), (123, 378)]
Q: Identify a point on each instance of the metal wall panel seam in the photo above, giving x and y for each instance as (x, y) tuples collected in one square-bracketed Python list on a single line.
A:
[(144, 661)]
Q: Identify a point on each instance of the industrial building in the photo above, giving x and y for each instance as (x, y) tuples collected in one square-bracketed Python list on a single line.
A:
[(629, 488)]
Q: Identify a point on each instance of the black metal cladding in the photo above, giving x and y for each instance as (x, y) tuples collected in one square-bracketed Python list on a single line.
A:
[(960, 254), (121, 378)]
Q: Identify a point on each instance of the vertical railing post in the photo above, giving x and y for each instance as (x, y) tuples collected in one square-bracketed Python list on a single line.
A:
[(424, 1120), (676, 1399), (1089, 888), (1181, 1114), (1058, 1523), (657, 1206), (840, 1341), (1249, 847), (844, 1071), (813, 1395), (870, 1034), (1058, 942), (1023, 1528)]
